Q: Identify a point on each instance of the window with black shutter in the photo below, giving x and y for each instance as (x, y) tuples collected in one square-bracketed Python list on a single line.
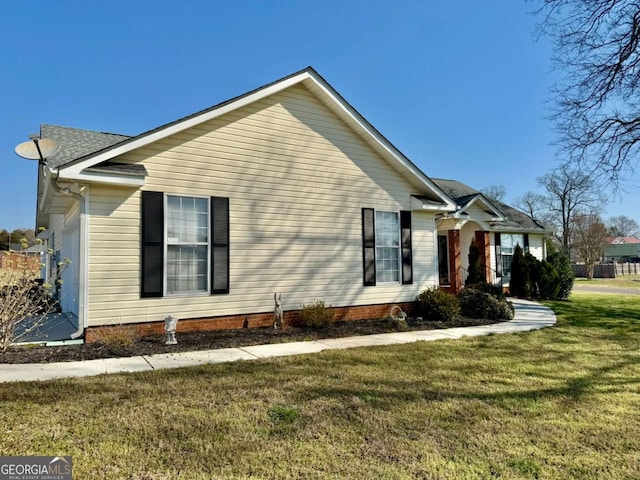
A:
[(184, 245)]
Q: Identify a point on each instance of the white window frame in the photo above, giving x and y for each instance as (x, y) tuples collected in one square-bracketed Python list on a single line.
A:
[(513, 247), (398, 248), (165, 272), (446, 257)]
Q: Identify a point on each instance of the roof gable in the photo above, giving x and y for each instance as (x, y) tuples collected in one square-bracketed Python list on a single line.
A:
[(509, 217), (312, 81)]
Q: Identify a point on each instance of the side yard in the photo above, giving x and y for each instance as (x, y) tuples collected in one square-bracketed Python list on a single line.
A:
[(556, 403)]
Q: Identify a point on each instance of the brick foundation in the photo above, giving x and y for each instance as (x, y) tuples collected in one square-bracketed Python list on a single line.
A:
[(253, 320)]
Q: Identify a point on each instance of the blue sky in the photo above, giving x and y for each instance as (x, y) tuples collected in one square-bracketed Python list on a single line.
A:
[(458, 86)]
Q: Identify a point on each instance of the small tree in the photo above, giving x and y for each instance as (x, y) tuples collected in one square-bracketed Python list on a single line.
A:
[(562, 263), (519, 274), (549, 284), (476, 267), (589, 239), (24, 301)]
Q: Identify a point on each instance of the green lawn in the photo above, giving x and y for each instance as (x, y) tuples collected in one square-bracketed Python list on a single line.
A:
[(621, 281), (559, 403)]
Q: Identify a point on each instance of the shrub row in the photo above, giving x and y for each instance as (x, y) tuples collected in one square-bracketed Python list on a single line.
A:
[(546, 279), (480, 300)]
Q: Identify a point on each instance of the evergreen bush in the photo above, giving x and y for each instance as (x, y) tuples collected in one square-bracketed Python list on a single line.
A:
[(518, 283), (549, 285), (560, 260), (495, 290), (438, 305), (478, 304), (476, 269)]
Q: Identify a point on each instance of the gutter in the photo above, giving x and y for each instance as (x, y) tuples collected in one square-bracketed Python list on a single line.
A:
[(83, 256)]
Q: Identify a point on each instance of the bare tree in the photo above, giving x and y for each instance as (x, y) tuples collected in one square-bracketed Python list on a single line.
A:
[(568, 192), (494, 192), (622, 226), (597, 113), (589, 239), (533, 204)]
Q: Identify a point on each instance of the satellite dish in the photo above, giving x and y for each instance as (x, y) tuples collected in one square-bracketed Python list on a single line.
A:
[(38, 149)]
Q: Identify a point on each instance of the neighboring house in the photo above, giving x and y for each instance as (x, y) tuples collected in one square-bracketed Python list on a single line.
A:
[(497, 229), (622, 249), (285, 189)]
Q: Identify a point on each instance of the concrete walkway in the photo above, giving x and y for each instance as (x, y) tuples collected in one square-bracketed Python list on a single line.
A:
[(528, 316)]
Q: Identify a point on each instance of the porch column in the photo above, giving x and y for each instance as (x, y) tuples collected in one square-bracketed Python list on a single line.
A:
[(484, 244), (455, 267)]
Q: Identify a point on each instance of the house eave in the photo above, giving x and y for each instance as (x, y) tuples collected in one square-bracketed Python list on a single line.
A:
[(134, 181), (314, 83)]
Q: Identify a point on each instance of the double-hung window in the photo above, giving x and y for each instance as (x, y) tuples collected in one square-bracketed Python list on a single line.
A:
[(387, 247), (508, 242), (387, 255), (184, 245), (187, 244)]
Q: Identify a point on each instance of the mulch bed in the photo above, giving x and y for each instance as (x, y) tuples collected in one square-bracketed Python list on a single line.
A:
[(190, 341)]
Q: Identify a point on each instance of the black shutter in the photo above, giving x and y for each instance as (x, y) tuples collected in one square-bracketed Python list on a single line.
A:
[(407, 255), (369, 246), (152, 244), (219, 245), (498, 256), (526, 243)]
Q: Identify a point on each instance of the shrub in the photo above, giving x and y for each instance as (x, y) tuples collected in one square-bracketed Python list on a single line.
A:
[(438, 305), (476, 269), (561, 262), (549, 284), (315, 315), (478, 304), (25, 301), (495, 290), (118, 338), (519, 281)]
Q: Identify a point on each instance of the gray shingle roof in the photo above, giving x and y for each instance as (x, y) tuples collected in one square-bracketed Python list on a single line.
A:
[(76, 143), (462, 194)]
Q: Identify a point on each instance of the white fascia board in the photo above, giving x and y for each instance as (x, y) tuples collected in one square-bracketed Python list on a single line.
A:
[(179, 127), (104, 178), (418, 205), (498, 215), (322, 86)]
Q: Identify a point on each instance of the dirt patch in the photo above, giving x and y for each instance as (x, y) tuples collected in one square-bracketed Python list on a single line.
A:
[(209, 340)]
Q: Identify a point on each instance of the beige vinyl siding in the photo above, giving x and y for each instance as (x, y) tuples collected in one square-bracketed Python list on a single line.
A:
[(536, 245), (478, 213), (297, 179)]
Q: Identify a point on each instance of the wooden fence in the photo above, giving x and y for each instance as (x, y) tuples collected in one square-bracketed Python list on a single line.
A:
[(607, 270), (627, 268)]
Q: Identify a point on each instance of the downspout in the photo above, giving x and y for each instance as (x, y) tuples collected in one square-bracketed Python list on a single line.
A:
[(82, 256)]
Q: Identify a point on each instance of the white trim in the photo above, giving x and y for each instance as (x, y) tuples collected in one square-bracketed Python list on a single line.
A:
[(399, 247), (498, 215), (103, 178), (207, 290), (83, 275), (183, 125), (316, 85)]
